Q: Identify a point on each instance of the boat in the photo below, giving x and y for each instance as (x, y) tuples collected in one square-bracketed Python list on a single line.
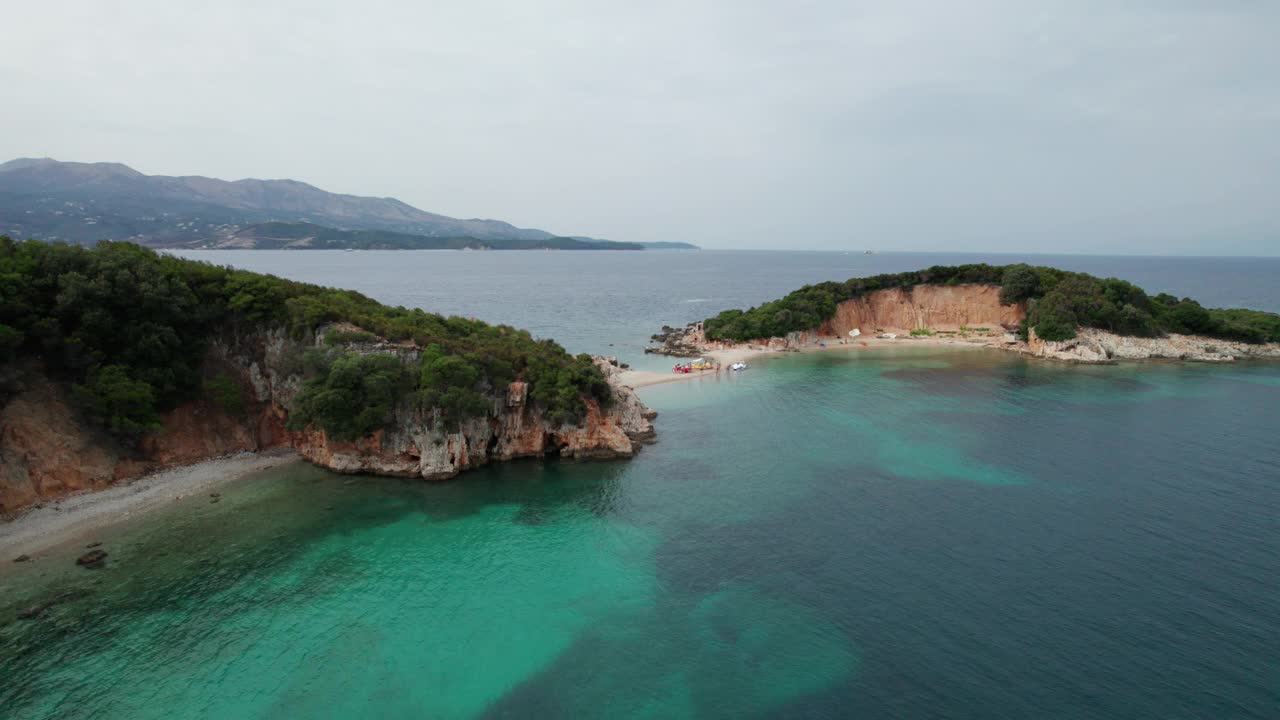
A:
[(738, 366)]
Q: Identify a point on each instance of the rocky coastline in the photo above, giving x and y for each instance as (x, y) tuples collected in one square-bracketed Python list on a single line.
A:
[(968, 315), (48, 451)]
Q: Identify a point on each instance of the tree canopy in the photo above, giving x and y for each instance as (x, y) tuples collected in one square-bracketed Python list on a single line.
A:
[(129, 328)]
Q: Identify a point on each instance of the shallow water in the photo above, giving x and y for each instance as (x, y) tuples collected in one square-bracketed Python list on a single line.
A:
[(919, 532), (907, 532)]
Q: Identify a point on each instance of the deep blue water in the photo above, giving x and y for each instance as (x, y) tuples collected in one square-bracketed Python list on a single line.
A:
[(901, 533)]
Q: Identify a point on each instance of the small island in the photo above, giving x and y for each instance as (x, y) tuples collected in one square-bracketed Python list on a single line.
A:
[(1041, 311)]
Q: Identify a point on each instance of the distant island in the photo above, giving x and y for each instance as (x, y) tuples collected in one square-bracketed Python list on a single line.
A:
[(1040, 311), (83, 203)]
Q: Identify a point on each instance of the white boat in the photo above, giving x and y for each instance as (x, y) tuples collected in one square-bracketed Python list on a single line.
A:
[(738, 366)]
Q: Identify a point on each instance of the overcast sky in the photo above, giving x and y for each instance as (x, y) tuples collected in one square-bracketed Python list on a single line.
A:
[(1132, 126)]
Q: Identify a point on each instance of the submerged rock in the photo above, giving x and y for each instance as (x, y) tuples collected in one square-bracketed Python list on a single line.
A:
[(34, 611), (22, 558), (93, 559)]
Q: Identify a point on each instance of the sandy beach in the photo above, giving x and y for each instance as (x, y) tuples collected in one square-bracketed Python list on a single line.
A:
[(741, 353), (56, 522)]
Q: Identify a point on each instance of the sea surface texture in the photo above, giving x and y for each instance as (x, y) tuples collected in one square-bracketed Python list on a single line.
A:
[(904, 533)]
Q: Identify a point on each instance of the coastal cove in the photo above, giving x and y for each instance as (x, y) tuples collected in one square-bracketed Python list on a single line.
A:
[(930, 525), (909, 529)]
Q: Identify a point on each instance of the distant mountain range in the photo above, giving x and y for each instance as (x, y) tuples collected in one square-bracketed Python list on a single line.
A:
[(85, 202), (308, 236)]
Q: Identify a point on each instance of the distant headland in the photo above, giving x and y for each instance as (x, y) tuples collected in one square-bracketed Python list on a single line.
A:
[(83, 203)]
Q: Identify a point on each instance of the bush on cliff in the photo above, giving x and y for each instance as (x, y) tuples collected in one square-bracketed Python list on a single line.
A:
[(129, 328), (353, 395), (1058, 302), (124, 405)]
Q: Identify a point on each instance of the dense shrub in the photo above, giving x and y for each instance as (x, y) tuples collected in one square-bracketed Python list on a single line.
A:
[(223, 390), (1058, 302), (120, 403), (1018, 283), (129, 329), (348, 337), (353, 395)]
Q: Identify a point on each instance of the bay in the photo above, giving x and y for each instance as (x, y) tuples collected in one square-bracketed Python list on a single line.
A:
[(915, 532)]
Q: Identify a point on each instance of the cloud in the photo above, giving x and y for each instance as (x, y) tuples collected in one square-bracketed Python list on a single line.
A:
[(1061, 125)]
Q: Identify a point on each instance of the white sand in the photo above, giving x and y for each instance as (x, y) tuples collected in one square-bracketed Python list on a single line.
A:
[(726, 357), (60, 521)]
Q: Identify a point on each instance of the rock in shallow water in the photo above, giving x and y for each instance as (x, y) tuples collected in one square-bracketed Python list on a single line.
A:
[(93, 559)]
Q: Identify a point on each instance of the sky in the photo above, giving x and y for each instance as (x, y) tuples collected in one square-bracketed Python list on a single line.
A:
[(1141, 126)]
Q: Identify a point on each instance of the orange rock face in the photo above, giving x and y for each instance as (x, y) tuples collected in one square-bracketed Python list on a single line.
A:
[(937, 307), (46, 452)]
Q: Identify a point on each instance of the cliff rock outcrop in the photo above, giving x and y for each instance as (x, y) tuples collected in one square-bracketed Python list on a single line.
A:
[(937, 307), (47, 450)]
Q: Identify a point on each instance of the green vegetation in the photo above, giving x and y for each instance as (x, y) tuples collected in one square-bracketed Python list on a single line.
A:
[(113, 399), (348, 337), (1058, 302), (129, 328), (226, 393), (921, 332), (352, 394)]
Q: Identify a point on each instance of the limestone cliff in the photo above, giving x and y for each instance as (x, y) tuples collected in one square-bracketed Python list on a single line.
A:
[(418, 445), (47, 450), (1091, 345)]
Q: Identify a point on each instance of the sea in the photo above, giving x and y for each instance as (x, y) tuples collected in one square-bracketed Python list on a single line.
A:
[(914, 532)]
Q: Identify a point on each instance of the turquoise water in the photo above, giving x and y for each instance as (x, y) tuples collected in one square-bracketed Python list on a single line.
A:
[(902, 533)]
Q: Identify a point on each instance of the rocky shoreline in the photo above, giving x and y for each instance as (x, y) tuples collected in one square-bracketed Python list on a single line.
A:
[(72, 517), (1091, 346), (968, 314), (48, 451)]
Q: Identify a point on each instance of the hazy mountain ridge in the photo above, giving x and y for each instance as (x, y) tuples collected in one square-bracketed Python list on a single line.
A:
[(308, 236), (85, 202)]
